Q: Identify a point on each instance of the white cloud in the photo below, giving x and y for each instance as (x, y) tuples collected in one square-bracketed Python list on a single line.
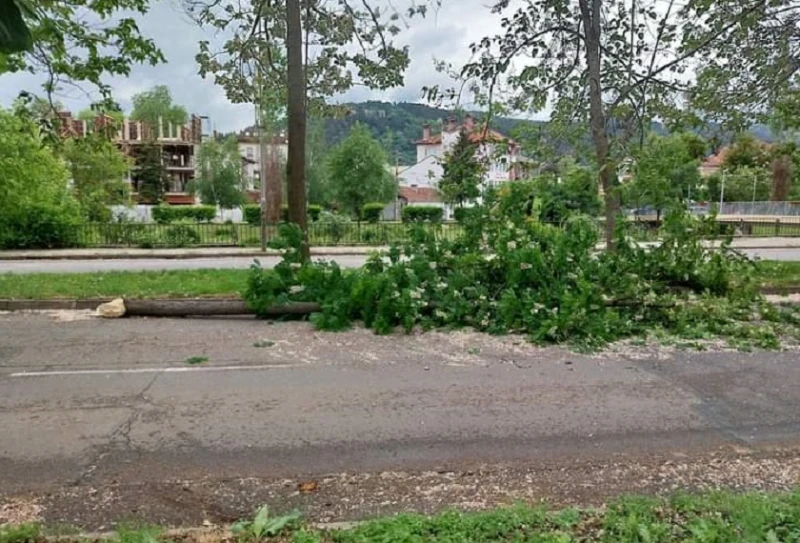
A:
[(445, 34)]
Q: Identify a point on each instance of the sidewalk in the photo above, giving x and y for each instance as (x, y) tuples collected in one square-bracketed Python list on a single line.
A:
[(206, 252), (224, 252)]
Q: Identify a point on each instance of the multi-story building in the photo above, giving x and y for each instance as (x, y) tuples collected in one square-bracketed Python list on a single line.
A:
[(176, 143), (250, 149), (500, 153)]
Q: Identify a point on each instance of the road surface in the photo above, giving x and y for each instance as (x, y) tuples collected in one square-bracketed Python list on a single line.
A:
[(349, 261), (104, 420)]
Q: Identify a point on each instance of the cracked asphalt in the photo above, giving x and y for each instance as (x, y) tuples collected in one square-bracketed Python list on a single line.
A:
[(103, 421)]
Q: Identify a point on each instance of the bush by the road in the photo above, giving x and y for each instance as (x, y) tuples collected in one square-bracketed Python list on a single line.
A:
[(414, 213), (372, 212), (39, 226), (166, 214)]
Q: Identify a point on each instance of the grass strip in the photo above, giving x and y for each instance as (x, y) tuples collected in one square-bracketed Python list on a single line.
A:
[(723, 517), (214, 283)]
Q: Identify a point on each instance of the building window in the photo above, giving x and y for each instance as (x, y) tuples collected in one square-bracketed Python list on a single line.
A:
[(249, 152)]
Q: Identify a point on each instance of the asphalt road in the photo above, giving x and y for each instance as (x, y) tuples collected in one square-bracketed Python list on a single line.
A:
[(104, 419), (74, 266)]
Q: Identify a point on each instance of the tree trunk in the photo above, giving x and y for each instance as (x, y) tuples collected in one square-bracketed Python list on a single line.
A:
[(186, 308), (781, 178), (591, 16), (296, 164)]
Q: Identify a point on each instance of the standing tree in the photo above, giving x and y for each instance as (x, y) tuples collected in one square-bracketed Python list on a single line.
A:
[(665, 172), (782, 169), (610, 66), (151, 174), (220, 177), (157, 103), (462, 172), (97, 168), (357, 172), (314, 49), (74, 41)]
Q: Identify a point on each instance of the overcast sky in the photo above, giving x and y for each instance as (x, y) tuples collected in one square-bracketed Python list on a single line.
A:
[(445, 35)]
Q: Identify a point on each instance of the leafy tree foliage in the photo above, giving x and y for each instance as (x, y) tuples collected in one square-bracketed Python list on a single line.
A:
[(74, 41), (746, 152), (743, 184), (97, 168), (157, 102), (220, 177), (462, 172), (151, 174), (36, 207), (665, 172), (357, 172)]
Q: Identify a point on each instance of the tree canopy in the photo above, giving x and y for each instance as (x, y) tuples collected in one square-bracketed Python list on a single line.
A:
[(462, 172), (72, 42), (97, 168), (357, 172), (157, 102), (220, 178)]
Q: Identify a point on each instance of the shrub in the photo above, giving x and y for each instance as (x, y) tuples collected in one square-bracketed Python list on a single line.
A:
[(166, 214), (123, 231), (422, 214), (460, 214), (181, 235), (372, 212), (252, 213), (333, 225), (40, 226), (314, 212)]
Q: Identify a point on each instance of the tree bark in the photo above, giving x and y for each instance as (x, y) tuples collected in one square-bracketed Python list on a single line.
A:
[(296, 163), (591, 18), (186, 308)]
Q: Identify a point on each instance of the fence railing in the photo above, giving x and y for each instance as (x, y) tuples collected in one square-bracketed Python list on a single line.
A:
[(151, 235), (752, 209)]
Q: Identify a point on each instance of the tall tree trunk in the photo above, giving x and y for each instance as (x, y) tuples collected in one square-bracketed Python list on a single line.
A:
[(591, 16), (781, 178), (296, 163)]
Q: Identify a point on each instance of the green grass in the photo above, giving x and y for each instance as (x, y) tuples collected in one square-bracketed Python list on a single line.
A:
[(715, 517), (140, 284), (214, 283), (776, 274), (196, 360)]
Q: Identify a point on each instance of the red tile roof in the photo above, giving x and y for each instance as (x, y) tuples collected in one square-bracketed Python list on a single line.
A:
[(478, 135), (419, 195)]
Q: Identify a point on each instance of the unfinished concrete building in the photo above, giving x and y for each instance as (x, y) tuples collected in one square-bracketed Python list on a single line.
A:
[(177, 145)]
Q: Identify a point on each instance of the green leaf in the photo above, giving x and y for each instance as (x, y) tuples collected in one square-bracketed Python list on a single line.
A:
[(15, 36)]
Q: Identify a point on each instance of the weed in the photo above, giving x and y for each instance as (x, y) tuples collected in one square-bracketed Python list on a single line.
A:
[(261, 343), (263, 525), (195, 360), (473, 350), (137, 534), (20, 533)]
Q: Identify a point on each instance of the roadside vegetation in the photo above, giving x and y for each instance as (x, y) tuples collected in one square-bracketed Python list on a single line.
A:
[(510, 273), (687, 518), (215, 283)]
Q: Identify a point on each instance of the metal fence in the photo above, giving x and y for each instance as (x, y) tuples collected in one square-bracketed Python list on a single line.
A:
[(151, 235), (751, 209)]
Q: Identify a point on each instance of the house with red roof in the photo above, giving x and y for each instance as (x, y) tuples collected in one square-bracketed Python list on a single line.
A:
[(500, 152)]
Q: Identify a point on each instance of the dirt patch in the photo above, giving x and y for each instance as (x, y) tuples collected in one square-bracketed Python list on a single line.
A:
[(355, 496), (20, 511)]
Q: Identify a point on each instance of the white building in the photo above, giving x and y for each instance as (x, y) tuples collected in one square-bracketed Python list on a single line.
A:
[(250, 150), (500, 152)]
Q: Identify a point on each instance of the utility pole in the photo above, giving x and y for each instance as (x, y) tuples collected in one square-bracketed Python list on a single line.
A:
[(722, 192)]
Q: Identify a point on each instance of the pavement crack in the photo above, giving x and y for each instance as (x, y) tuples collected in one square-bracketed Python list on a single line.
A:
[(121, 432)]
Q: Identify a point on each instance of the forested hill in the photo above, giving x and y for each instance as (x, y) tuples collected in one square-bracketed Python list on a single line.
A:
[(398, 125)]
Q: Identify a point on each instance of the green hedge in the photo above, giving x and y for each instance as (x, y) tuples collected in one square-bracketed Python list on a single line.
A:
[(252, 213), (422, 214), (166, 214), (39, 226), (372, 212)]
